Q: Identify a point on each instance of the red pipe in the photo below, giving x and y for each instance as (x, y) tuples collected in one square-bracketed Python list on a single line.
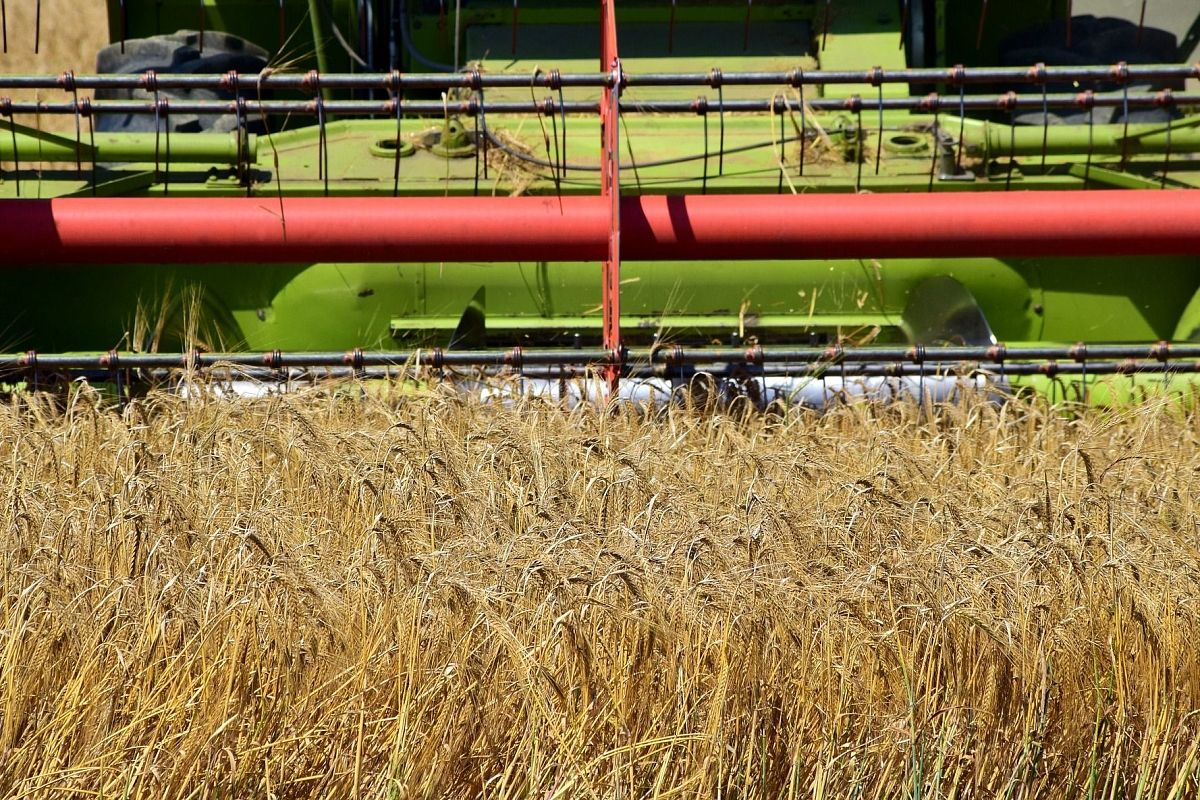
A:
[(712, 227)]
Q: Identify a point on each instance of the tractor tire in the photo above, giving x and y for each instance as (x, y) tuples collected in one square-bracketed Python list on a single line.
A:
[(1094, 40), (177, 53)]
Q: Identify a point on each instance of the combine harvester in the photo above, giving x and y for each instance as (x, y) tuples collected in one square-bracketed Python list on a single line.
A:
[(803, 200)]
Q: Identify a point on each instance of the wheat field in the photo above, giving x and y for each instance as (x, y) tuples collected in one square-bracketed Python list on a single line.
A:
[(348, 595), (338, 594), (70, 35)]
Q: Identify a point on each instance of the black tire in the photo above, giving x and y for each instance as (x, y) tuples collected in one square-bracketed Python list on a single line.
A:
[(177, 53), (1094, 40)]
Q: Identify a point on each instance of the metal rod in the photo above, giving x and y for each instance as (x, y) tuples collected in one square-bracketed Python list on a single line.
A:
[(1057, 359), (776, 105), (577, 228), (1136, 73)]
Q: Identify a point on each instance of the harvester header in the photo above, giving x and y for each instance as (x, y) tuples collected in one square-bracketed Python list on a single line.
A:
[(915, 181)]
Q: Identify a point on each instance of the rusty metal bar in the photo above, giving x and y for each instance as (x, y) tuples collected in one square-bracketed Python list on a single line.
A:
[(931, 103), (898, 359), (252, 83)]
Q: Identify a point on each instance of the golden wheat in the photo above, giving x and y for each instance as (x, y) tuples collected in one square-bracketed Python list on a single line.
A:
[(347, 595)]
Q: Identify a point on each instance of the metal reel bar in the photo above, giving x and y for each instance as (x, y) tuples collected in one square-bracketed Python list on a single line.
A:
[(1059, 359), (473, 107), (1114, 73)]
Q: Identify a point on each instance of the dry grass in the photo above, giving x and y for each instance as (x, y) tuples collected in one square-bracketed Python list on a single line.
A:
[(331, 595), (71, 34)]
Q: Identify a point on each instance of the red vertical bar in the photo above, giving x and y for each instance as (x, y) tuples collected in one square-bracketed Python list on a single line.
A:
[(610, 188)]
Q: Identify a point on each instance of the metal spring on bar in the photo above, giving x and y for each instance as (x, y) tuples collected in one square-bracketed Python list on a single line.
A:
[(1087, 100), (399, 94), (85, 108), (1008, 102), (932, 97), (1167, 100), (7, 111), (701, 106), (716, 80), (797, 82), (875, 77), (1121, 74)]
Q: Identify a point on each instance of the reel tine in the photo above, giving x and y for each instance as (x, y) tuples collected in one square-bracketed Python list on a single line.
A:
[(716, 80), (150, 80), (1012, 149), (4, 23), (957, 76), (243, 146), (312, 82), (86, 110), (877, 79), (476, 92), (671, 30), (1041, 69), (37, 27), (937, 139), (858, 134), (1122, 73), (1141, 22), (556, 78), (782, 145), (982, 20), (166, 118), (399, 117), (203, 16), (67, 81), (1084, 379), (548, 110), (1167, 99), (516, 12), (904, 15), (475, 122), (825, 24), (324, 144), (6, 110), (803, 120), (1008, 102), (746, 26), (486, 134), (1087, 164), (702, 110)]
